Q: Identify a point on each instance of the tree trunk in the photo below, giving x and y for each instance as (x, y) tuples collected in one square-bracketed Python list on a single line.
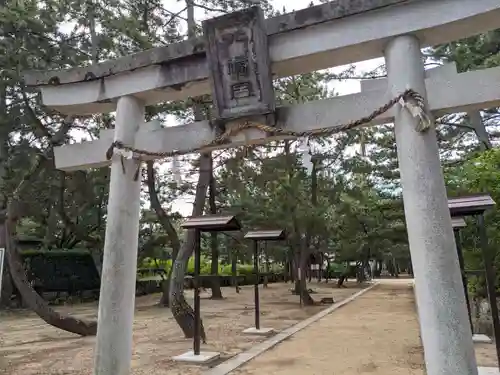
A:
[(214, 267), (360, 273), (165, 290), (297, 272), (307, 300), (181, 310), (300, 261), (378, 268), (302, 251), (97, 254), (287, 270), (340, 282), (395, 268), (33, 300), (167, 226), (266, 278), (214, 243), (327, 273), (310, 226), (322, 262), (7, 287), (234, 270), (97, 258)]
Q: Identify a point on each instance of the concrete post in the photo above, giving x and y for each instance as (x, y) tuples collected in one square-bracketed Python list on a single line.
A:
[(113, 349), (445, 330), (482, 135)]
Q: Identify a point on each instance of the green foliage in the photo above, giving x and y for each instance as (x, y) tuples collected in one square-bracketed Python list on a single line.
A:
[(479, 174), (471, 169), (205, 267), (337, 268), (482, 51), (458, 141)]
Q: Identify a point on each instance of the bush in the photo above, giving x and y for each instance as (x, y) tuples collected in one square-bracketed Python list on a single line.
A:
[(205, 267), (61, 270)]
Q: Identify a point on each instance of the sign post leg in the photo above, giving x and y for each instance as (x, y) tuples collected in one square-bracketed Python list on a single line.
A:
[(256, 285), (444, 325), (464, 275), (2, 259), (489, 260), (197, 312), (113, 350)]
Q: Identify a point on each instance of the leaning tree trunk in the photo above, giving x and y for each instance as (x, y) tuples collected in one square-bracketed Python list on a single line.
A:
[(36, 302), (181, 310), (7, 289), (214, 243), (8, 221), (167, 226)]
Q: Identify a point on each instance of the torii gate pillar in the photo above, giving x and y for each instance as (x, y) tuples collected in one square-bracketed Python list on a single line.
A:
[(113, 351), (444, 325)]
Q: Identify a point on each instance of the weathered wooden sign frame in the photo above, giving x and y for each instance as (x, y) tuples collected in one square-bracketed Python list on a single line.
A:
[(239, 65)]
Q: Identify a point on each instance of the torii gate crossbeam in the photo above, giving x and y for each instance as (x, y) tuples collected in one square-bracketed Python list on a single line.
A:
[(315, 38)]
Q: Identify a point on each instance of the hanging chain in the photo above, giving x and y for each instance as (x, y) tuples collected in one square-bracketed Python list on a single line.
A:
[(409, 99)]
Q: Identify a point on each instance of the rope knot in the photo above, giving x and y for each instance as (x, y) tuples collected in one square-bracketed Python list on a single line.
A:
[(415, 104), (117, 147), (111, 149)]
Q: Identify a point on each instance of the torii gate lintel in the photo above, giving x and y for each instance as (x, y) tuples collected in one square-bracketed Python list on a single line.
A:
[(342, 32)]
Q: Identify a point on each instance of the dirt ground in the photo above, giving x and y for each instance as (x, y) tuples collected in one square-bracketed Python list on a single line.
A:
[(28, 346), (486, 355), (376, 334)]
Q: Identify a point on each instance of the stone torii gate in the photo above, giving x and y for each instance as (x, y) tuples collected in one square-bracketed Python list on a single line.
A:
[(315, 38)]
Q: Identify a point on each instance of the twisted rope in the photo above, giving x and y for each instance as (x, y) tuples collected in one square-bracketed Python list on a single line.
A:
[(409, 99)]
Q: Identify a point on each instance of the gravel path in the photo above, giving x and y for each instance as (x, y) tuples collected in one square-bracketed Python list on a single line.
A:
[(377, 334)]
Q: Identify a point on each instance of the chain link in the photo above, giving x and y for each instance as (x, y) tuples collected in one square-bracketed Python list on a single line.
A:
[(403, 98)]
